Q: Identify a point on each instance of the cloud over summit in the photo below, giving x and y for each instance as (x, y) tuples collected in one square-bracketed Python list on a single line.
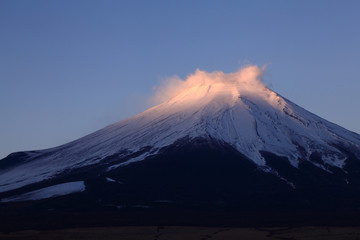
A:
[(246, 79)]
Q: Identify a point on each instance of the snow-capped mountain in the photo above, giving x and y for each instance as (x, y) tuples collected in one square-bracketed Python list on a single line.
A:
[(226, 136), (236, 109)]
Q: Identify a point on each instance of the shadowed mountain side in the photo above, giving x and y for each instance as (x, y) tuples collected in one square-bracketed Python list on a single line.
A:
[(198, 182)]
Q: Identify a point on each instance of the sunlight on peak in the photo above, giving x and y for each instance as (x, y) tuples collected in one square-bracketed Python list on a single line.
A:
[(202, 87)]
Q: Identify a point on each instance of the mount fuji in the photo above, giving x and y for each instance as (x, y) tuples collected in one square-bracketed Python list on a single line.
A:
[(217, 141)]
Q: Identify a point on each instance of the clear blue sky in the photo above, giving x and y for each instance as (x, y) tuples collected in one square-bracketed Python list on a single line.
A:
[(68, 68)]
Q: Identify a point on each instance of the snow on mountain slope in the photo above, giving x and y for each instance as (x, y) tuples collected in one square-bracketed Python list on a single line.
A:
[(235, 108), (48, 192)]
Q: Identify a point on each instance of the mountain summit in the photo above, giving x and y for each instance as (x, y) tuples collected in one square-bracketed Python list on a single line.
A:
[(217, 139)]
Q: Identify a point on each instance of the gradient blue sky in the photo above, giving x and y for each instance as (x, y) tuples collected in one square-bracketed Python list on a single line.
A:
[(68, 68)]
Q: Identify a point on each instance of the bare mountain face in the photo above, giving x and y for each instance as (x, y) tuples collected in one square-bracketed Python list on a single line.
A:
[(217, 140)]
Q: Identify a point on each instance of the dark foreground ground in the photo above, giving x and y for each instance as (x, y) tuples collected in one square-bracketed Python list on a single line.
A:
[(189, 233), (174, 224)]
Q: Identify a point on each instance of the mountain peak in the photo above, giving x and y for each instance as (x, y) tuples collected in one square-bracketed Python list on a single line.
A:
[(202, 87)]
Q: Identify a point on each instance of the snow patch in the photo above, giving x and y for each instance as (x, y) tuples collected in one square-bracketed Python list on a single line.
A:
[(132, 160), (48, 192), (113, 180), (267, 169)]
